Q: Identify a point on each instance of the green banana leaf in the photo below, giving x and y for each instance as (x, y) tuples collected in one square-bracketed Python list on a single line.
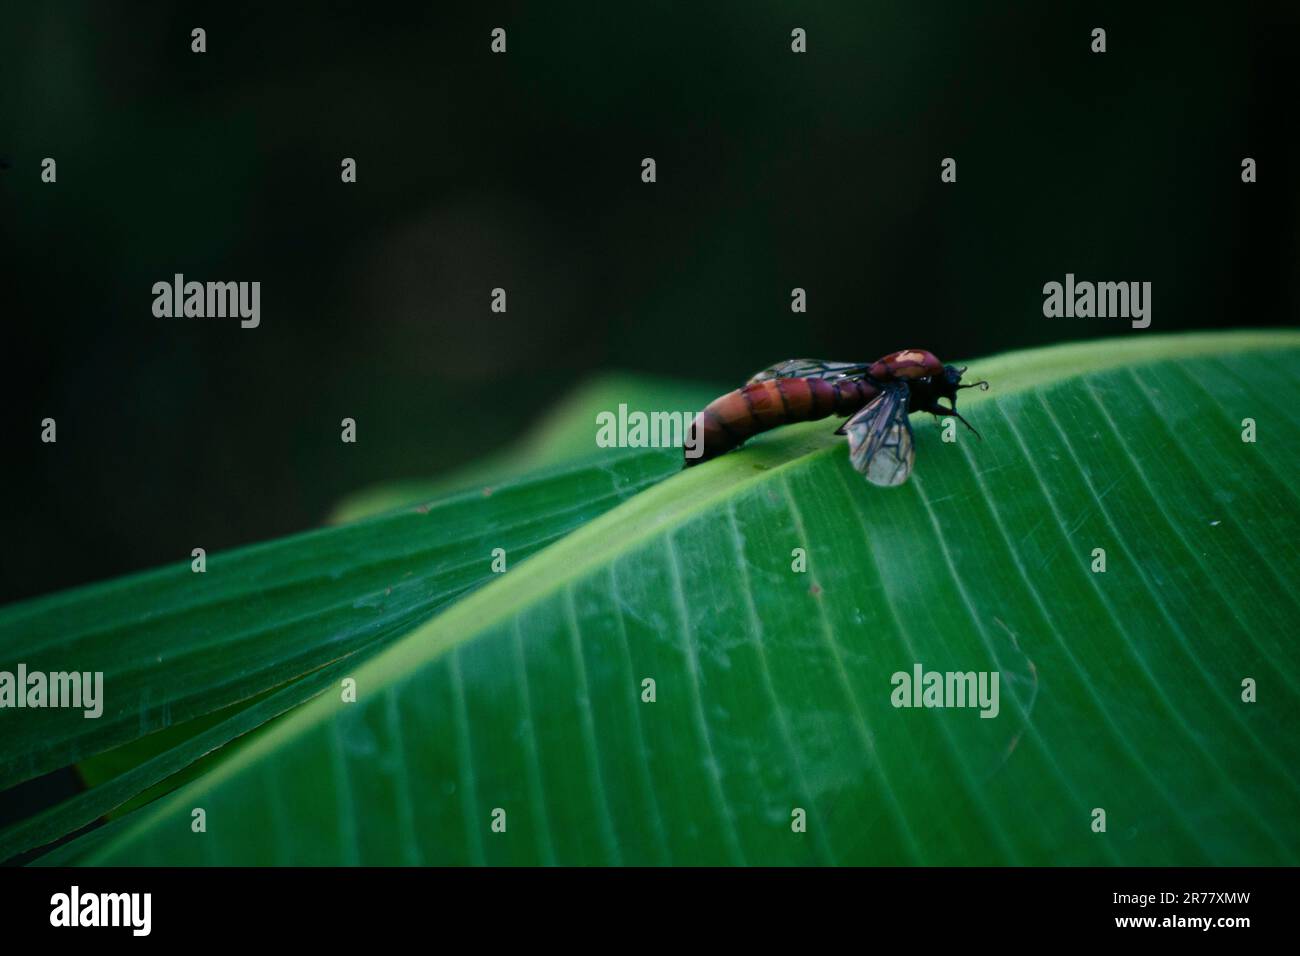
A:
[(143, 769), (191, 660), (1148, 711)]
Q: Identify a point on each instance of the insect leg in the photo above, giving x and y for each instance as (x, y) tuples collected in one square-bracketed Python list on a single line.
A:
[(939, 411)]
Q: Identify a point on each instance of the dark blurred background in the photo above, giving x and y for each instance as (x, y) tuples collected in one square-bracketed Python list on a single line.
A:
[(775, 170)]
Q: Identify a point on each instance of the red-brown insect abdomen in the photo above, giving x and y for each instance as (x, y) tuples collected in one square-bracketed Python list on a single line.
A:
[(906, 364), (728, 421)]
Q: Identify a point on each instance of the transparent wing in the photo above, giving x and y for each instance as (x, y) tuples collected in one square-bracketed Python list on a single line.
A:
[(810, 368), (880, 438)]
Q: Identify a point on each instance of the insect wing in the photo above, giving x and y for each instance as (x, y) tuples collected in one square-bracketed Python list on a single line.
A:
[(880, 438), (810, 368)]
